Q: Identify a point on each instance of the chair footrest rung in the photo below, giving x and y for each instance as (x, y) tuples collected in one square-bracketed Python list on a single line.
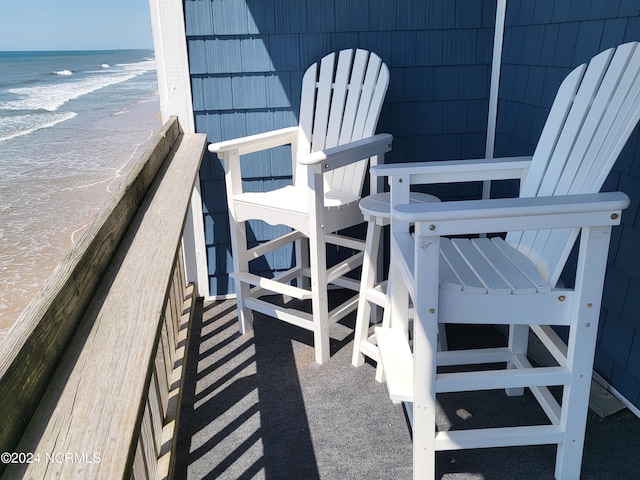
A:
[(369, 348), (344, 267), (499, 437), (376, 295), (289, 315), (397, 362), (497, 379), (278, 242), (343, 310), (272, 285), (473, 356), (344, 241)]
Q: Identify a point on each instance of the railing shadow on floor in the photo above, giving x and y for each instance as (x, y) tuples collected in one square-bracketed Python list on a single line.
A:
[(243, 410)]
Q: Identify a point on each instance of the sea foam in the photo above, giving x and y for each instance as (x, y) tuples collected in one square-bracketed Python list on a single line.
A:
[(20, 125), (52, 96)]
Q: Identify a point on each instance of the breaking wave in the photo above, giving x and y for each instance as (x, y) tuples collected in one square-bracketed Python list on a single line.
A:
[(21, 125), (52, 96)]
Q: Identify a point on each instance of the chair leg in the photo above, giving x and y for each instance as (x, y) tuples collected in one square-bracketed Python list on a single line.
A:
[(241, 264), (425, 348), (594, 245), (386, 322), (575, 401), (301, 247), (424, 410), (319, 295), (367, 282), (518, 345), (443, 342)]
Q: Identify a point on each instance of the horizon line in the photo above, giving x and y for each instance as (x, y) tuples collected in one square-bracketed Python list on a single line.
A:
[(75, 50)]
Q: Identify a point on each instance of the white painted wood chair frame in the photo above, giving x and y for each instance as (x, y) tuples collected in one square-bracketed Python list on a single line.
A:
[(513, 282), (342, 97)]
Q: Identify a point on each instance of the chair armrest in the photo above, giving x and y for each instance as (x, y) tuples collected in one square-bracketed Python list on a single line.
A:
[(255, 143), (332, 158), (451, 171), (514, 214)]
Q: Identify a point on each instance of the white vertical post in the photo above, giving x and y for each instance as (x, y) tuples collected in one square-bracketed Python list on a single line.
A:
[(174, 85), (583, 332), (318, 263), (238, 233), (194, 249), (170, 46), (498, 38), (397, 312), (425, 346)]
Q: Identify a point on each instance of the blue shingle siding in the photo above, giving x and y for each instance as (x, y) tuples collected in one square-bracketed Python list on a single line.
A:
[(544, 39), (284, 51), (352, 16), (616, 339), (625, 383), (198, 18), (410, 15), (290, 16), (614, 32), (382, 15), (260, 17), (633, 362), (633, 29), (230, 17), (588, 40), (600, 10), (543, 12), (629, 8)]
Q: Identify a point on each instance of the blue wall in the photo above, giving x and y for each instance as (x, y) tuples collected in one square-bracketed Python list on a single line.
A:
[(247, 58), (544, 40)]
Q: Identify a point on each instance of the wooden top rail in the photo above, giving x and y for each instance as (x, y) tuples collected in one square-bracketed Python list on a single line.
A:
[(75, 369)]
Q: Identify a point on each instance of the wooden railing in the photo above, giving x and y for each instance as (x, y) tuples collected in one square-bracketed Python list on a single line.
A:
[(91, 372)]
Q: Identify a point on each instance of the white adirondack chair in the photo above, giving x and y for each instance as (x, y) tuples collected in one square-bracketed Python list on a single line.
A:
[(513, 281), (341, 101)]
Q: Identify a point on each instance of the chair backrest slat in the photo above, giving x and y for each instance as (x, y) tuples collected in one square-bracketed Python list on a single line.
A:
[(339, 98), (586, 130), (620, 120), (354, 90), (367, 115), (348, 86), (324, 93), (551, 132), (341, 101)]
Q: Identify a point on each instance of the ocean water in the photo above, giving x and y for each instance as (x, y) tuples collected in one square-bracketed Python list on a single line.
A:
[(72, 125)]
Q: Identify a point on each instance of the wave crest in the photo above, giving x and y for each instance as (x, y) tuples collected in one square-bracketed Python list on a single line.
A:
[(64, 73), (26, 124), (52, 96)]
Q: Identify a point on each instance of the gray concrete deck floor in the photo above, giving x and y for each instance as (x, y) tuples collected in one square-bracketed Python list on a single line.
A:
[(258, 406)]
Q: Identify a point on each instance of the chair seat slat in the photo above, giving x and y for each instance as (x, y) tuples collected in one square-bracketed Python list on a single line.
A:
[(485, 272), (488, 266), (466, 277), (503, 265), (523, 264), (448, 278)]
